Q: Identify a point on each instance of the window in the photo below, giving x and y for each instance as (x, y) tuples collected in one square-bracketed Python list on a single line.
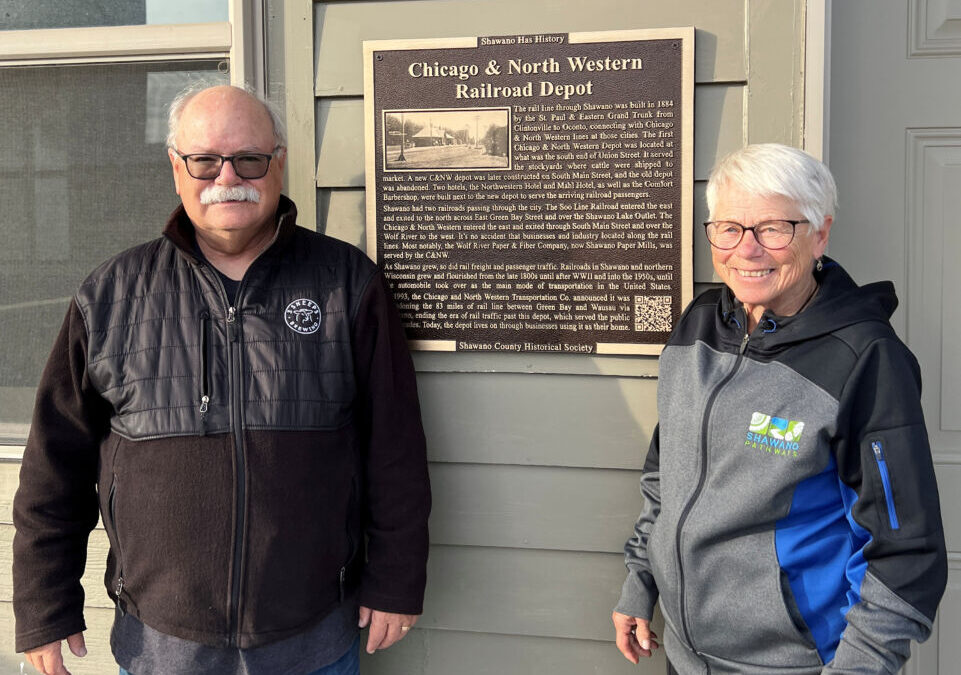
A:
[(34, 14), (83, 169)]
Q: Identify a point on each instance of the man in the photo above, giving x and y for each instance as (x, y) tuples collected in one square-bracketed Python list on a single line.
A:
[(237, 400)]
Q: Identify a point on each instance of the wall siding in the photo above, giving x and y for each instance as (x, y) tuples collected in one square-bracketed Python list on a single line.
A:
[(444, 652), (535, 459)]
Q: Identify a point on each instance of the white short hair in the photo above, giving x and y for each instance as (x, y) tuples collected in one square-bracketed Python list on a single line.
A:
[(181, 100), (769, 169)]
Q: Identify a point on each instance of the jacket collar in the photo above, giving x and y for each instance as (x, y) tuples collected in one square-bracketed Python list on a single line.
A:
[(839, 302), (180, 230)]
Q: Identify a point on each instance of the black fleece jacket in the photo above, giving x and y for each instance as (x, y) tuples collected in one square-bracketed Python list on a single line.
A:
[(250, 461)]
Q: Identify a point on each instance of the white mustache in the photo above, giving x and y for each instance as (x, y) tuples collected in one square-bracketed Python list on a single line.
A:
[(215, 194)]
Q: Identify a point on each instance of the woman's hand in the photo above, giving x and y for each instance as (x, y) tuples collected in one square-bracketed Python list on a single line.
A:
[(634, 636)]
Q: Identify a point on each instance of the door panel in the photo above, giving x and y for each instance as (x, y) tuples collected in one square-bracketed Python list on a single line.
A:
[(895, 150)]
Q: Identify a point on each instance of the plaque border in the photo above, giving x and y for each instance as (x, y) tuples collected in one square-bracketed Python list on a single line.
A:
[(686, 34)]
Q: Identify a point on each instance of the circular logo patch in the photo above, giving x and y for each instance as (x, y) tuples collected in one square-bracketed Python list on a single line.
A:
[(303, 316)]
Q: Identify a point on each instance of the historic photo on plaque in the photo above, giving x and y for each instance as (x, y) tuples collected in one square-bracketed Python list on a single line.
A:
[(533, 193), (447, 139)]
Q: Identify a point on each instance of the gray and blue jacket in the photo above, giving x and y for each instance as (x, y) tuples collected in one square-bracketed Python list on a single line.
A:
[(792, 521)]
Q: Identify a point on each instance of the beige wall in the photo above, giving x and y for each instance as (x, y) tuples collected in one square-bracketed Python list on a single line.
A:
[(535, 458)]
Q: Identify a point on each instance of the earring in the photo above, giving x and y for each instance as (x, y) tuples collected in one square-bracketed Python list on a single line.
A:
[(819, 266)]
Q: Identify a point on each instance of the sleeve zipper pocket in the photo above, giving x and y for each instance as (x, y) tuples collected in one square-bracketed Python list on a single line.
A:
[(886, 484)]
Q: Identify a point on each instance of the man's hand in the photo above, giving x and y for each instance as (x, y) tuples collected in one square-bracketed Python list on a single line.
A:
[(49, 660), (385, 628), (634, 636)]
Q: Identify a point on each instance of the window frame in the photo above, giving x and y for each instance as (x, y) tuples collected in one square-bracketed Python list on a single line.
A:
[(238, 41), (113, 44)]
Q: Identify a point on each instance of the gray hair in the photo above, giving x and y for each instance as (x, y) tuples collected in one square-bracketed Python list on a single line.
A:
[(769, 169), (184, 97)]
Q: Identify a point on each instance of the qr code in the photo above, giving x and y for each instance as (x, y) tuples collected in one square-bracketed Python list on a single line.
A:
[(652, 313)]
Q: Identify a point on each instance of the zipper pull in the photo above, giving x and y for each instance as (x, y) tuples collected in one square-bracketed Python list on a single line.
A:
[(878, 452), (117, 590), (204, 406), (747, 336), (343, 574), (232, 323)]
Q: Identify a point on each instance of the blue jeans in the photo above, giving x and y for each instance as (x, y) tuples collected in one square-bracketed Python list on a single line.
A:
[(348, 664)]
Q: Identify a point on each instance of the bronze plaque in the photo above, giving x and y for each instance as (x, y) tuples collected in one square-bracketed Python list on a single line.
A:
[(533, 193)]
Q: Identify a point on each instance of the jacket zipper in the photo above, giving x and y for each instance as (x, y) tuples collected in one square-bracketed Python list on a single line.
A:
[(233, 336), (112, 509), (235, 375), (886, 484), (701, 479), (234, 369), (204, 370)]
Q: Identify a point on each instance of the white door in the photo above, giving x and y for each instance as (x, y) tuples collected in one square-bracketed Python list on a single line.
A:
[(894, 145)]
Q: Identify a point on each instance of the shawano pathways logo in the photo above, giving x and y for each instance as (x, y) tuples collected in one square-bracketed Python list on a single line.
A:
[(774, 435)]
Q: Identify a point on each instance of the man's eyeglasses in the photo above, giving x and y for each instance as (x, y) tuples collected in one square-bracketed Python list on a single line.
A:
[(248, 165), (771, 234)]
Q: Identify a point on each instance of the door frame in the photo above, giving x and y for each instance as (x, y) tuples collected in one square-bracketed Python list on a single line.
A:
[(817, 78)]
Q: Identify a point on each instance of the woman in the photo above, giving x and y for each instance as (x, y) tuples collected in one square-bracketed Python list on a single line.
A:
[(792, 520)]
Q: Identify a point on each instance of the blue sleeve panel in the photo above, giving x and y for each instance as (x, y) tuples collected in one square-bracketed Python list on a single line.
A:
[(819, 548), (857, 565)]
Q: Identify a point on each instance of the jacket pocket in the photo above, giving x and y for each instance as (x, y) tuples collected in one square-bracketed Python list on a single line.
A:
[(351, 549), (882, 464), (204, 370), (112, 512), (794, 612)]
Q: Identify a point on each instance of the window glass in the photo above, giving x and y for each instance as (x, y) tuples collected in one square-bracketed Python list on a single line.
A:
[(83, 174), (31, 14), (186, 11)]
